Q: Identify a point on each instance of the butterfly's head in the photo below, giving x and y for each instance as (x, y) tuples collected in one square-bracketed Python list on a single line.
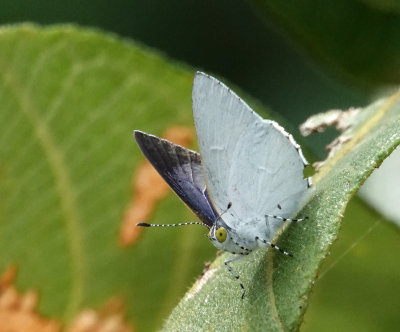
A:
[(220, 236)]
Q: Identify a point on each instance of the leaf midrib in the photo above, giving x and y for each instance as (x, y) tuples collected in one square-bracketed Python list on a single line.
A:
[(63, 185)]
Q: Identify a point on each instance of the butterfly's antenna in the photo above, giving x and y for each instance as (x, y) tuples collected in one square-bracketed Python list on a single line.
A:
[(144, 224), (226, 210)]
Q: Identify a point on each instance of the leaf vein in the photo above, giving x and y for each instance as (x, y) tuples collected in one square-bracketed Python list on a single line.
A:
[(63, 184)]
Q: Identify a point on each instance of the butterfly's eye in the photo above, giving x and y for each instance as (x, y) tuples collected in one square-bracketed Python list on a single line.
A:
[(221, 234)]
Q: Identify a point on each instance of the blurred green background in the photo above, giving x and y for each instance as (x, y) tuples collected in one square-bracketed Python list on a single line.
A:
[(296, 58), (228, 38)]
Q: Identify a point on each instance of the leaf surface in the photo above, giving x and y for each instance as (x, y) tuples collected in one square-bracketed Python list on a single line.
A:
[(70, 100)]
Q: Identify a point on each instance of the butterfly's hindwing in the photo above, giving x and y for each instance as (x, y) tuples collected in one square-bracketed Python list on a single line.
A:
[(247, 160)]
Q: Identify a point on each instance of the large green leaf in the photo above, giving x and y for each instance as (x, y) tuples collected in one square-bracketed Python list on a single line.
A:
[(278, 287), (355, 39), (70, 100)]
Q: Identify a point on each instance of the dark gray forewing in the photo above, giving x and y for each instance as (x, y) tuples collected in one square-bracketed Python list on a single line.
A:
[(181, 169)]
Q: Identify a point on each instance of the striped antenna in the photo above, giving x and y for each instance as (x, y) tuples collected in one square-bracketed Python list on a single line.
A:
[(144, 224)]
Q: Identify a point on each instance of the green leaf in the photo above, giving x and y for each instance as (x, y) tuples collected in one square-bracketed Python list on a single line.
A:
[(357, 287), (277, 286), (355, 39), (70, 100)]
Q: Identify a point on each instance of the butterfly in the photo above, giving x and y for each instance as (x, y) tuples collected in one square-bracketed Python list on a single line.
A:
[(246, 181)]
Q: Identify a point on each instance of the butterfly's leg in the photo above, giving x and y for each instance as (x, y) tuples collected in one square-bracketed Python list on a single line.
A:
[(285, 219), (274, 246), (235, 258)]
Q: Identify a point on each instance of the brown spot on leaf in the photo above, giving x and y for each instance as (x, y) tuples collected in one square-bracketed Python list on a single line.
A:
[(109, 318), (148, 188), (18, 311), (8, 277)]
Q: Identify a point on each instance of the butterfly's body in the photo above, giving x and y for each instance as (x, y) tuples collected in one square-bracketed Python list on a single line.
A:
[(248, 235), (249, 178)]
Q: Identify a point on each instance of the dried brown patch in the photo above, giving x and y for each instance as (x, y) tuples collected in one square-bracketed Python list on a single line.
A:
[(148, 188), (342, 120), (318, 123), (110, 318), (18, 311)]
